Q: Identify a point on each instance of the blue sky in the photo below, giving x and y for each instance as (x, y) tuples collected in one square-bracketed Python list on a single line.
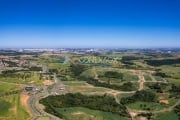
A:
[(89, 23)]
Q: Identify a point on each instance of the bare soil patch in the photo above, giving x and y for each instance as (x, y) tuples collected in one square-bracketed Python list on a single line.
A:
[(14, 109), (47, 82), (24, 102), (142, 118), (77, 113), (166, 102), (132, 114)]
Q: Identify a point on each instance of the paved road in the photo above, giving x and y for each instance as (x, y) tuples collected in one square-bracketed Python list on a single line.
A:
[(35, 106), (34, 110), (40, 112)]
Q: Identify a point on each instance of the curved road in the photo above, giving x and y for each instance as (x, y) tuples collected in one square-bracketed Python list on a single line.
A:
[(39, 112), (36, 109)]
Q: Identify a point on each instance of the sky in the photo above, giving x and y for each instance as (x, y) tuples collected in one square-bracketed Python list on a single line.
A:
[(89, 23)]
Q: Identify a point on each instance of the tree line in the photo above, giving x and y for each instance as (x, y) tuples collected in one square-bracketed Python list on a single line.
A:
[(127, 86), (163, 62)]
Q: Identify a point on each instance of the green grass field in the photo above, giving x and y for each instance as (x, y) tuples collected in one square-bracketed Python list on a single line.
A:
[(33, 78), (88, 73), (79, 113), (147, 77), (5, 87), (11, 108), (166, 116), (146, 105), (74, 83), (83, 87), (171, 70)]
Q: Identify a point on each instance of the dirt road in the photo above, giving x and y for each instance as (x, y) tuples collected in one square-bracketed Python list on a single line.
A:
[(141, 81)]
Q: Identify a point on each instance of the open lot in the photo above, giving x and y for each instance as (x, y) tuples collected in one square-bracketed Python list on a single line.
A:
[(79, 113)]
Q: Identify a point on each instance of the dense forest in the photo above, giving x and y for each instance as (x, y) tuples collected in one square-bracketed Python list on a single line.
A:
[(175, 90), (157, 87), (77, 69), (143, 95), (177, 110), (103, 103), (113, 74), (163, 62)]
